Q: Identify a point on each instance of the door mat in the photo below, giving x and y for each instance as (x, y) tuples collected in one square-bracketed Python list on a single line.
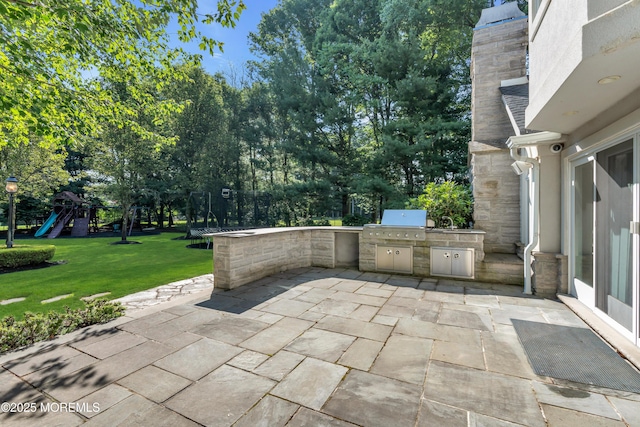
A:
[(575, 354)]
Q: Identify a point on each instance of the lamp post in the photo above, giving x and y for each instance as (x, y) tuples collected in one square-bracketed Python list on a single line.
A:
[(12, 188)]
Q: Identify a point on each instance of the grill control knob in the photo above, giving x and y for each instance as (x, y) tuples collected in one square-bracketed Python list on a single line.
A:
[(416, 234), (398, 235), (389, 234), (370, 233), (406, 234), (377, 234)]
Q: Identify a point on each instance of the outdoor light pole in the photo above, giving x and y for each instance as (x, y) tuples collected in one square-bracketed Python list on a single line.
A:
[(12, 188)]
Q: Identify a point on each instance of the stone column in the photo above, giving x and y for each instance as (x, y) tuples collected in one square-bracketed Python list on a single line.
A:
[(498, 53), (548, 270)]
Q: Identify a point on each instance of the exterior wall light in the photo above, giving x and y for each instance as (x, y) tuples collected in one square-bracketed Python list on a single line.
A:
[(520, 167), (608, 79)]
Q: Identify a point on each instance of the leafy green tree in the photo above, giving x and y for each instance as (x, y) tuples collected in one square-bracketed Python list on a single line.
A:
[(39, 168), (317, 118), (208, 154), (374, 93), (77, 165), (446, 199), (29, 209), (127, 152), (49, 47)]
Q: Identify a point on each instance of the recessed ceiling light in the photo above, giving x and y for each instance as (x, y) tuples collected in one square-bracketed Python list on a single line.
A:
[(608, 79), (570, 113)]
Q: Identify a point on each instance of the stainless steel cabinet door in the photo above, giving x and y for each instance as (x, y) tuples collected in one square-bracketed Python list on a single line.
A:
[(462, 263), (402, 260), (384, 258), (393, 258)]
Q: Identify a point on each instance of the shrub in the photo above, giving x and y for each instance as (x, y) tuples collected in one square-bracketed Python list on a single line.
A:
[(354, 220), (310, 222), (19, 256), (45, 326), (446, 199)]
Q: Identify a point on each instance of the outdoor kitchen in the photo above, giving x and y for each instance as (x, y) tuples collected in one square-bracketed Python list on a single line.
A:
[(403, 243)]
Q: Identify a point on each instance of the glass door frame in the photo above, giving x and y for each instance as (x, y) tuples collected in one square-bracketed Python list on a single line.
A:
[(586, 294), (579, 289)]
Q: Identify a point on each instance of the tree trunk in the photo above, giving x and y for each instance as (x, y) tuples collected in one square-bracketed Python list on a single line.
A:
[(188, 212), (345, 205), (161, 216), (125, 224)]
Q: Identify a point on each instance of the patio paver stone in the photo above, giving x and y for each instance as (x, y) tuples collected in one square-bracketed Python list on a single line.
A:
[(311, 346)]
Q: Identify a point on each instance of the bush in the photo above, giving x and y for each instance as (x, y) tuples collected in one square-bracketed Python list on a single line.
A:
[(310, 222), (354, 220), (39, 327), (19, 256), (446, 199)]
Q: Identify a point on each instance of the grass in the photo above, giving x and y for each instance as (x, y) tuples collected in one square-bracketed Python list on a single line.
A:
[(95, 266)]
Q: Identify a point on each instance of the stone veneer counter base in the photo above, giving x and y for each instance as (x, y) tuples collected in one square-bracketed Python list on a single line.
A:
[(242, 257)]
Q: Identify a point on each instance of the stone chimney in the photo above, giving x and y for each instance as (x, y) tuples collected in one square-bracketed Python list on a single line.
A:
[(498, 54)]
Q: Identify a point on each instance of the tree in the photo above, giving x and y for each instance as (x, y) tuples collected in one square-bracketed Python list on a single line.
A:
[(312, 107), (446, 199), (49, 47), (207, 155), (375, 94), (39, 168), (29, 209), (126, 153)]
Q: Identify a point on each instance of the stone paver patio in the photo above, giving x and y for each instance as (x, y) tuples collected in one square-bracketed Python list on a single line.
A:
[(310, 347)]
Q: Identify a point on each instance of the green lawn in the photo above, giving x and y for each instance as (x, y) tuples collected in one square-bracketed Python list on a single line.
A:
[(95, 266)]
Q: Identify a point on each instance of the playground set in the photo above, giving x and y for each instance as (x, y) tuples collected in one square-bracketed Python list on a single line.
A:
[(201, 218), (68, 209), (229, 210), (76, 217), (225, 210)]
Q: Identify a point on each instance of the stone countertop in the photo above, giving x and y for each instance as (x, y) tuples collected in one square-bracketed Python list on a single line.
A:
[(455, 231), (275, 230)]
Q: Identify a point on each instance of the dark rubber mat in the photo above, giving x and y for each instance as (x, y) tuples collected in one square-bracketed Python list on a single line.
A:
[(575, 354)]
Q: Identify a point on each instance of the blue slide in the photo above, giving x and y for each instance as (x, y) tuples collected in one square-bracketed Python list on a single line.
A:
[(47, 225)]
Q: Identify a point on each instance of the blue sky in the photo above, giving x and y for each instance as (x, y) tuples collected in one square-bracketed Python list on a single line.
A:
[(236, 45)]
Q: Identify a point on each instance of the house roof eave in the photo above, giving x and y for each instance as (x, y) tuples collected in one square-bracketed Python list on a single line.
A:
[(535, 139)]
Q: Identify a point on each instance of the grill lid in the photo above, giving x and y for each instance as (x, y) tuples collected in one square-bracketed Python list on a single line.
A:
[(404, 217)]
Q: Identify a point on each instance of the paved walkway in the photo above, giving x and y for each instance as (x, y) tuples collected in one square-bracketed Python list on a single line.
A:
[(165, 293), (312, 347)]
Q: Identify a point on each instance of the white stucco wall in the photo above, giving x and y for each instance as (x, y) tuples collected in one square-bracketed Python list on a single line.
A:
[(574, 45), (555, 47), (550, 201)]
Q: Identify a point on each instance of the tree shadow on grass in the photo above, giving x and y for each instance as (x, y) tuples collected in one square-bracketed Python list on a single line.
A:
[(45, 264)]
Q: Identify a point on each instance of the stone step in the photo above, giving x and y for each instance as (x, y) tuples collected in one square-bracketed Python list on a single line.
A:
[(501, 268)]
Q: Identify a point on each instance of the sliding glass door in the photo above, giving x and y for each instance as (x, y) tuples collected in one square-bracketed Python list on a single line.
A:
[(614, 249), (605, 254), (583, 231)]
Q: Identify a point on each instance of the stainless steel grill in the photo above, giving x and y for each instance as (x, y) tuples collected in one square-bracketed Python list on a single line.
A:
[(398, 224)]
